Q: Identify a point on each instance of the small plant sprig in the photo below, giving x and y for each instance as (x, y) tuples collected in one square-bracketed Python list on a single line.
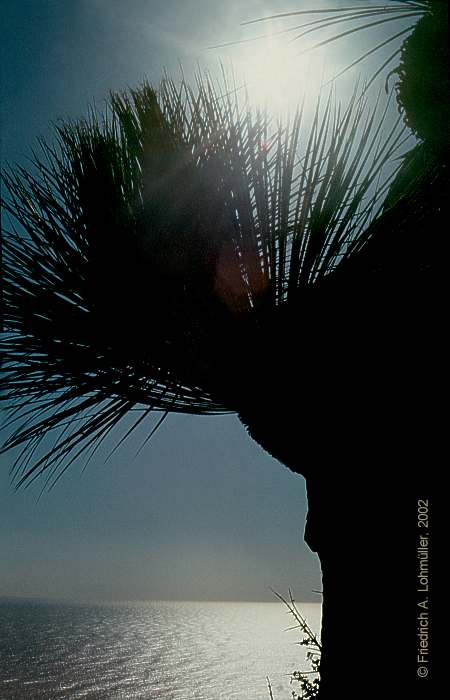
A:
[(309, 680)]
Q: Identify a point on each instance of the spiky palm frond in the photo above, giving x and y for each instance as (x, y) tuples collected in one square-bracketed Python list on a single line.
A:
[(353, 20), (420, 57), (149, 243)]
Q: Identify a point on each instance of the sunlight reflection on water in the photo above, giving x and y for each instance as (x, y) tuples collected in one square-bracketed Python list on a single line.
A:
[(149, 650)]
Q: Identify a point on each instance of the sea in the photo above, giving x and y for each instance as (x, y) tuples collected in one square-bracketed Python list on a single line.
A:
[(180, 650)]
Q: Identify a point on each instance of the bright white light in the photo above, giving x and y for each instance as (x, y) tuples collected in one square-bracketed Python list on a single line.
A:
[(276, 74)]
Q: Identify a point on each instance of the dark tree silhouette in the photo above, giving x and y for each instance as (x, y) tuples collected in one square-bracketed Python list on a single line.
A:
[(151, 246), (178, 254)]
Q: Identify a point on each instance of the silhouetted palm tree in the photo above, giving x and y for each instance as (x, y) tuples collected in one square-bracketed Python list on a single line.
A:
[(179, 255), (158, 242)]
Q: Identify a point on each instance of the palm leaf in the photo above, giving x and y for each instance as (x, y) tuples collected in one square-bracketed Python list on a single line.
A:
[(349, 22), (148, 247)]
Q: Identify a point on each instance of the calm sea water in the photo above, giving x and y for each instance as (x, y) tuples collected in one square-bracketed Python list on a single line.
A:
[(148, 650)]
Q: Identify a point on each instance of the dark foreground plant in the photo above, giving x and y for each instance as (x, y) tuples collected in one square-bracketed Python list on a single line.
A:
[(309, 681), (150, 250)]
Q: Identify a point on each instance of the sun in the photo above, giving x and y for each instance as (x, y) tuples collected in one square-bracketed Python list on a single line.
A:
[(276, 74)]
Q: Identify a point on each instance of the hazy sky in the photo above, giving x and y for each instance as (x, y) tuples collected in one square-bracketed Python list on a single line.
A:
[(202, 512)]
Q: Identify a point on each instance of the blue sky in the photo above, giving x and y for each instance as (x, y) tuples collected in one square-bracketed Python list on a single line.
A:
[(203, 512)]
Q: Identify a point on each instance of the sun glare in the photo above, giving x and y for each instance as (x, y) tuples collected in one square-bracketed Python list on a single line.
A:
[(276, 74)]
